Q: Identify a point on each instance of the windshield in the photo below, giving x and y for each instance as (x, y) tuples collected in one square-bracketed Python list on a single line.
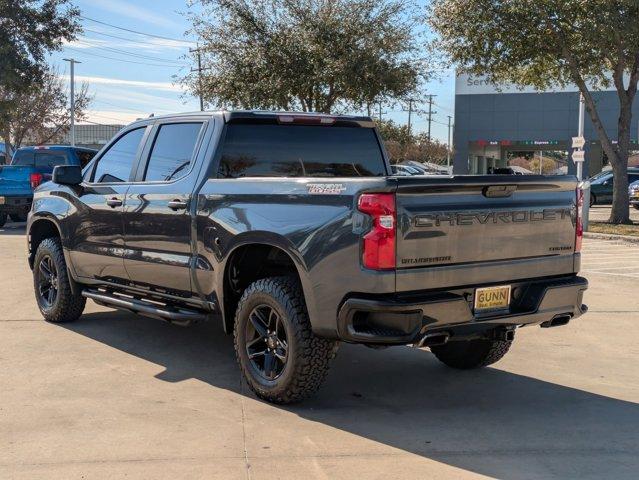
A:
[(600, 178)]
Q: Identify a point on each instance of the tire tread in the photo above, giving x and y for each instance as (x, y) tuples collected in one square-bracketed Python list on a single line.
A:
[(69, 306), (312, 359)]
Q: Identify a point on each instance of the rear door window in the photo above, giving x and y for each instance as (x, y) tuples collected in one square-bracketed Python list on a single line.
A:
[(50, 160), (23, 158), (265, 150), (85, 157), (172, 151), (115, 165)]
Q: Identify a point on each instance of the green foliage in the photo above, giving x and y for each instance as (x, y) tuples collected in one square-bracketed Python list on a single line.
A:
[(29, 30), (392, 132), (545, 43), (401, 145), (310, 55)]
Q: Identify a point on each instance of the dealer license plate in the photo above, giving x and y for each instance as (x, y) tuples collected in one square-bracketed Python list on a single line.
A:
[(492, 298)]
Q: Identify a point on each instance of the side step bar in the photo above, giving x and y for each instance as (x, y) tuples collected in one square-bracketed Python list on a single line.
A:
[(177, 316)]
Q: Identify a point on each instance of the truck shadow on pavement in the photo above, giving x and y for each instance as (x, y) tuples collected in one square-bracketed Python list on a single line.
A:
[(11, 228), (490, 422)]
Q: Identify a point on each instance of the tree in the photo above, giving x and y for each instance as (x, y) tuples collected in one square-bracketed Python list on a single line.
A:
[(40, 113), (310, 55), (544, 43), (402, 145), (29, 30)]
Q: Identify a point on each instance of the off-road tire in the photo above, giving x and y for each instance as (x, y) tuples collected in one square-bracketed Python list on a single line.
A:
[(67, 306), (3, 219), (309, 356), (468, 354), (18, 217)]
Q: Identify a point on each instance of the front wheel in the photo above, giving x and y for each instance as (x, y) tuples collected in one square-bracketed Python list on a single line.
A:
[(56, 300), (281, 358), (468, 354)]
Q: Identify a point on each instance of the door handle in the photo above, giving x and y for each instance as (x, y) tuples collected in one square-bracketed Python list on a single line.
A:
[(177, 205), (114, 202)]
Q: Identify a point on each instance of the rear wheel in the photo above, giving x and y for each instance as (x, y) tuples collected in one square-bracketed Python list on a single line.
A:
[(281, 358), (56, 300), (468, 354), (18, 217)]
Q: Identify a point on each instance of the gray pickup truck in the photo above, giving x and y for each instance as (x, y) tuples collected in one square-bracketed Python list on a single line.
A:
[(290, 230)]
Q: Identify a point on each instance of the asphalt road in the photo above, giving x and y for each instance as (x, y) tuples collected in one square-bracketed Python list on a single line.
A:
[(116, 395)]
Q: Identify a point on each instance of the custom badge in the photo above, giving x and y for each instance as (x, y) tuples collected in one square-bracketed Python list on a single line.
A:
[(325, 188)]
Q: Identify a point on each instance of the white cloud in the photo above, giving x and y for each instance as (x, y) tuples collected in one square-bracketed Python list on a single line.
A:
[(111, 117), (128, 9), (154, 45), (160, 86)]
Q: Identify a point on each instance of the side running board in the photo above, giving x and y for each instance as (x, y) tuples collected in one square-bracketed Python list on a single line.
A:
[(178, 316)]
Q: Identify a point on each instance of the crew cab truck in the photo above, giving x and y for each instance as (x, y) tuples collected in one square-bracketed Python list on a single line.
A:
[(290, 230), (30, 167)]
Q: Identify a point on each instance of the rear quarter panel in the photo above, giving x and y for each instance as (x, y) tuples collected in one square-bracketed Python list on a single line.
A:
[(320, 232)]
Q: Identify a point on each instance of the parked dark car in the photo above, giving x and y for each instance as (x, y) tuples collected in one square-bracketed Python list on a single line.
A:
[(30, 166), (633, 193), (601, 186), (289, 230)]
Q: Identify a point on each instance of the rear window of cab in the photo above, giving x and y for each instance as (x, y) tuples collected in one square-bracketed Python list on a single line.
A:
[(265, 150)]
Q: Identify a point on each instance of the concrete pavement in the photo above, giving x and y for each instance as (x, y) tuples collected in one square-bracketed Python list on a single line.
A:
[(601, 213), (115, 395)]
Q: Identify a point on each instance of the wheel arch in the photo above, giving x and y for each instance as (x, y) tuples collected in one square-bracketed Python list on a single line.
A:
[(39, 229), (274, 256)]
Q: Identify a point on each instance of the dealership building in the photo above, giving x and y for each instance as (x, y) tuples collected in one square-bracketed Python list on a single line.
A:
[(495, 125)]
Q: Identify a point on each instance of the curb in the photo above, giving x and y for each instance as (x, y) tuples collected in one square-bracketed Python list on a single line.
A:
[(611, 236)]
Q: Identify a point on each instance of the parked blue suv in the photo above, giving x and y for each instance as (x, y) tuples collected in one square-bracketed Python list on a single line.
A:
[(30, 166)]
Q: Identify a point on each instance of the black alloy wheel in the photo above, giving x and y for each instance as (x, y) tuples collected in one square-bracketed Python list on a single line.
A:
[(47, 281), (266, 342)]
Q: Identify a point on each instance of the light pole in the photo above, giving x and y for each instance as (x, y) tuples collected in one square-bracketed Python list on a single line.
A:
[(580, 130), (449, 146), (72, 62)]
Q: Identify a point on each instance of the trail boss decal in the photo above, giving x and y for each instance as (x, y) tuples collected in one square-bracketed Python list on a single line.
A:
[(325, 188)]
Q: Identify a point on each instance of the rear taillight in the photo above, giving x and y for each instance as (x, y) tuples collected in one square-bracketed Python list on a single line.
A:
[(379, 243), (35, 179), (579, 224)]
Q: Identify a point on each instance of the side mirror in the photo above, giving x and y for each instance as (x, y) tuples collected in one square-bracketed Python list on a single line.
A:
[(67, 175)]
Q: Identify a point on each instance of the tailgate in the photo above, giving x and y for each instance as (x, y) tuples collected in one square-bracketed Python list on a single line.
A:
[(15, 180), (471, 221)]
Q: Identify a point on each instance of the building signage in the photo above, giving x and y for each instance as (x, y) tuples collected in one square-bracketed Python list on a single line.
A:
[(578, 156), (578, 142), (473, 85)]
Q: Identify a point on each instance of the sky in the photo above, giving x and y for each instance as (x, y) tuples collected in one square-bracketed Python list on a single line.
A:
[(131, 75)]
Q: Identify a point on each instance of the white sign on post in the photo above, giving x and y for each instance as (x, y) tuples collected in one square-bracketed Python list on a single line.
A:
[(578, 142), (578, 156)]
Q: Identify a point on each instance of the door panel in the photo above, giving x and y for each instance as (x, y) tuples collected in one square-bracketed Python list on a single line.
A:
[(97, 239), (157, 219), (158, 237)]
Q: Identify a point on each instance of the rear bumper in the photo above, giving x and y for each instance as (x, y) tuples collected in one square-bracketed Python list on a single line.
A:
[(18, 204), (403, 319)]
